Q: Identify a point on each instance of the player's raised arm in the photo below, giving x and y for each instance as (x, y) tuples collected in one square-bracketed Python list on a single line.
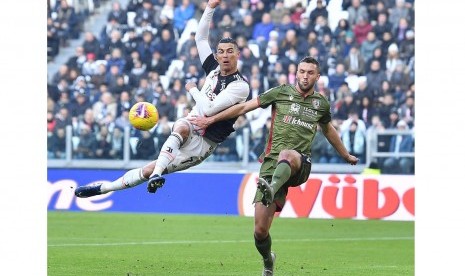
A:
[(333, 138), (201, 36), (233, 111)]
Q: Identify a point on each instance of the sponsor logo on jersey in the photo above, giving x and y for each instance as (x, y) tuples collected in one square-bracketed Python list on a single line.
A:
[(309, 112), (316, 103), (296, 121), (294, 108)]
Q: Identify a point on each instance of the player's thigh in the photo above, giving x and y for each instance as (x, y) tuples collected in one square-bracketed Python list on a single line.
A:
[(193, 152)]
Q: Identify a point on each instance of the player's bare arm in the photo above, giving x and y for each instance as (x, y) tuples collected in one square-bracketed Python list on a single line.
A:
[(333, 138), (233, 111)]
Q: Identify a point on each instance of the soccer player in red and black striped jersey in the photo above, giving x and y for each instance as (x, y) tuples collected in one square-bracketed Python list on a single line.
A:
[(295, 112)]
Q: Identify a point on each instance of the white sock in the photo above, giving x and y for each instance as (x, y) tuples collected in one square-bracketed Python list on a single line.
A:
[(168, 152), (129, 179)]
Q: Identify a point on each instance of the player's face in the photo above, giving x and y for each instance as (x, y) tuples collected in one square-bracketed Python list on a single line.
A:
[(227, 56), (307, 75)]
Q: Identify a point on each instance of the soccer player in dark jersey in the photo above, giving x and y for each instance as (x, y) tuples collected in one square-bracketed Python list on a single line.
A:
[(188, 146), (295, 112)]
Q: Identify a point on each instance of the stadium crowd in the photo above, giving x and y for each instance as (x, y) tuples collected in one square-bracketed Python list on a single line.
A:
[(146, 52)]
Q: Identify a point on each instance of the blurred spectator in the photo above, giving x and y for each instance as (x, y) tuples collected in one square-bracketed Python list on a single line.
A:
[(319, 10), (56, 144), (354, 62), (247, 60), (145, 13), (137, 73), (375, 77), (382, 25), (105, 109), (242, 124), (166, 108), (322, 89), (239, 13), (278, 12), (63, 118), (407, 111), (284, 25), (90, 66), (245, 27), (146, 149), (366, 110), (369, 45), (182, 14), (407, 46), (66, 21), (87, 144), (193, 58), (166, 46), (91, 44), (117, 144), (392, 60), (400, 77), (361, 29), (321, 28), (263, 28), (400, 143), (341, 30), (122, 121), (123, 103), (346, 106), (120, 87), (53, 39), (117, 13), (354, 141), (353, 117), (400, 10), (103, 148), (401, 30), (388, 112), (79, 105), (338, 78), (356, 11), (362, 91), (112, 42)]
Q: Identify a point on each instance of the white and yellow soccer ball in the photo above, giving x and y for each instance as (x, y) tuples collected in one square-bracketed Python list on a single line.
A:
[(143, 116)]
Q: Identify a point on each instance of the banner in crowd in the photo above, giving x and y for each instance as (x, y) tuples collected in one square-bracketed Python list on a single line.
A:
[(389, 197)]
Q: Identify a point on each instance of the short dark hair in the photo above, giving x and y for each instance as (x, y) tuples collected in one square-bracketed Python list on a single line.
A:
[(309, 59), (229, 40)]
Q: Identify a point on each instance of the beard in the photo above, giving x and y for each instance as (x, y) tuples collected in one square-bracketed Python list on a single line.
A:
[(305, 88)]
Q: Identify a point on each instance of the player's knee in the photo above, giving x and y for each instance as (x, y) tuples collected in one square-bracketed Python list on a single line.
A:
[(182, 128), (147, 170), (260, 232)]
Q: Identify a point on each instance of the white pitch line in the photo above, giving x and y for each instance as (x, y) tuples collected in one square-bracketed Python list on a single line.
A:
[(230, 241)]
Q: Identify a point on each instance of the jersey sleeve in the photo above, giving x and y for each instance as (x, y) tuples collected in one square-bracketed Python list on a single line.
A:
[(235, 92), (326, 118), (210, 64), (268, 97), (201, 36)]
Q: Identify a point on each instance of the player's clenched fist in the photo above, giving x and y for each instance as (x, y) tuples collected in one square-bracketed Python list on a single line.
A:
[(190, 85), (213, 3)]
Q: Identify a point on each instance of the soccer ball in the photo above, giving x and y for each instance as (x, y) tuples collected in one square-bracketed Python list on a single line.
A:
[(143, 116)]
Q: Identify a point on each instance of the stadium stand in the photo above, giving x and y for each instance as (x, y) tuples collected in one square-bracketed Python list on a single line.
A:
[(122, 25)]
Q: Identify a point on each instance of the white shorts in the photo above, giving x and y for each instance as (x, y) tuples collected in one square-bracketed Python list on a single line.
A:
[(196, 149)]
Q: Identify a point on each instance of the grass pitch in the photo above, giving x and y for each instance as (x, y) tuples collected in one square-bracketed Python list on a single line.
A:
[(94, 244)]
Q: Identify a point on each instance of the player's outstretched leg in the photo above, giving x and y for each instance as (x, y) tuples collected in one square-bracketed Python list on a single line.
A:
[(88, 190), (267, 190), (129, 179), (268, 267), (155, 182)]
